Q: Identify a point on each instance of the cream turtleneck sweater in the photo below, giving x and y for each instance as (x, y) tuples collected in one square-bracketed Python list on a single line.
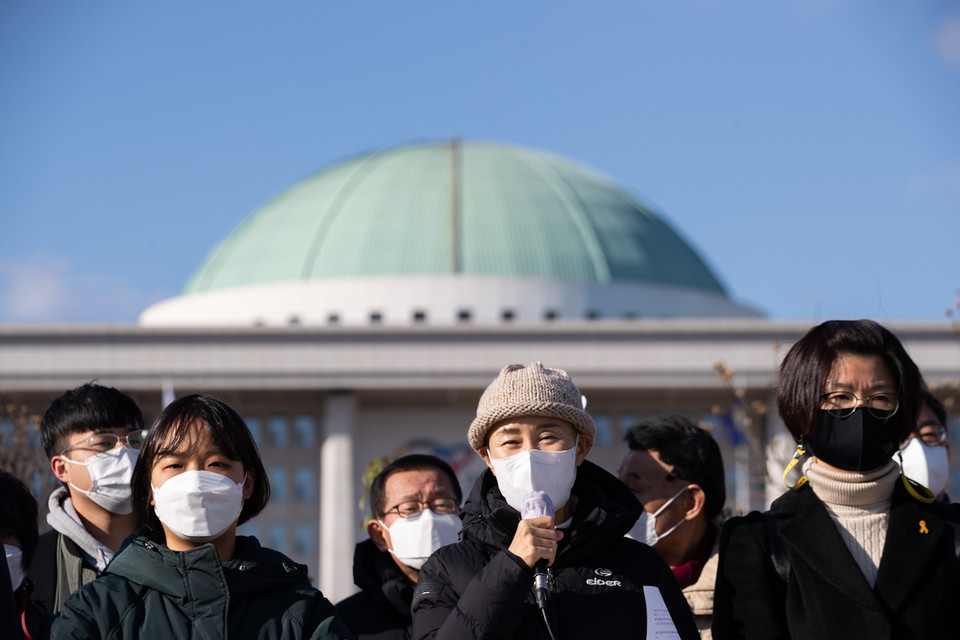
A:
[(859, 504)]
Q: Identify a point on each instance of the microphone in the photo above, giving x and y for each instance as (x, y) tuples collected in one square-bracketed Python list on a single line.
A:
[(535, 505)]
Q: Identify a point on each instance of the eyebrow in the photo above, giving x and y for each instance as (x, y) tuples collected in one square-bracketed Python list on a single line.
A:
[(878, 384)]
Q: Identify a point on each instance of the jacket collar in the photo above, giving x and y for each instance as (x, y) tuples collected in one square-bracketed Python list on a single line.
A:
[(376, 573), (605, 508)]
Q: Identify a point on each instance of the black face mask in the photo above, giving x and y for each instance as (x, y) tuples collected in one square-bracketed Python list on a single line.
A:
[(859, 442)]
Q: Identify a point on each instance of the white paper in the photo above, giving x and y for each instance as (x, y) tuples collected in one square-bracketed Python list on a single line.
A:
[(659, 623)]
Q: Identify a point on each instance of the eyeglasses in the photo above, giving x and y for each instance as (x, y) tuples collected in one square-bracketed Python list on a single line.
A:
[(843, 404), (933, 435), (415, 507), (103, 442)]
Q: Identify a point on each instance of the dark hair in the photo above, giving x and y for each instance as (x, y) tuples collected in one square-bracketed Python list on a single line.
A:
[(18, 514), (808, 363), (692, 451), (412, 462), (89, 407), (172, 431), (936, 406)]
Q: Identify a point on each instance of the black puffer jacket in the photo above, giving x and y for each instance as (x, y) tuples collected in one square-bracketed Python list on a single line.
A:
[(605, 585), (381, 611)]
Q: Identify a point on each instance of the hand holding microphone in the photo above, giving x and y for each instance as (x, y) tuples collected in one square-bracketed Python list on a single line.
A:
[(537, 512), (536, 537)]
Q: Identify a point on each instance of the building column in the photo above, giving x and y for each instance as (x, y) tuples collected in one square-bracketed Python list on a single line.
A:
[(337, 502)]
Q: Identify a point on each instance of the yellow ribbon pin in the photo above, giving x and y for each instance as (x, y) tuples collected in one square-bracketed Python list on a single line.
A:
[(923, 527)]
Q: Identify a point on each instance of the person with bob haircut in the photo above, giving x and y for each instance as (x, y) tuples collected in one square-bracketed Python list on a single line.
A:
[(187, 574), (854, 549)]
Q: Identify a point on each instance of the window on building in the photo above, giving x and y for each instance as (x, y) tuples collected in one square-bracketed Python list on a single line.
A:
[(278, 484), (376, 317), (604, 428), (550, 314), (305, 429), (464, 315), (305, 540), (305, 484), (278, 431), (255, 426), (419, 316), (507, 315), (333, 318), (277, 537), (625, 421), (593, 314)]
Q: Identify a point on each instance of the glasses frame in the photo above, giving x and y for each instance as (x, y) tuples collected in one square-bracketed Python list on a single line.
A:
[(879, 414), (942, 434), (420, 503), (125, 439)]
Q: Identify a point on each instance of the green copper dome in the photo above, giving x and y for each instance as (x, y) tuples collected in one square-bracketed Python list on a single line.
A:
[(454, 208)]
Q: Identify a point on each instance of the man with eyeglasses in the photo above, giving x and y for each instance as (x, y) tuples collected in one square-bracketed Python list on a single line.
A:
[(92, 435), (415, 509), (925, 455)]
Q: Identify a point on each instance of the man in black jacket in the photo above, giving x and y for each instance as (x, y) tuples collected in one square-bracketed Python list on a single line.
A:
[(415, 507), (592, 582)]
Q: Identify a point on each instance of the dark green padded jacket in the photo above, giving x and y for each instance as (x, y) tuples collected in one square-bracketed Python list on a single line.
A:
[(149, 591)]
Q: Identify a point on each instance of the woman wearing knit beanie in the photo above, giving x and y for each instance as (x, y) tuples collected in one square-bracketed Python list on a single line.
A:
[(855, 549), (542, 514)]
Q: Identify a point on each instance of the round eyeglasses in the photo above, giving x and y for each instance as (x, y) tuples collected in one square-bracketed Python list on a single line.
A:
[(103, 442), (843, 404), (932, 435), (415, 507)]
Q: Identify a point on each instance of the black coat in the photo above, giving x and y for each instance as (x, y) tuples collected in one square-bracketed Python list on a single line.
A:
[(604, 581), (825, 595), (381, 610)]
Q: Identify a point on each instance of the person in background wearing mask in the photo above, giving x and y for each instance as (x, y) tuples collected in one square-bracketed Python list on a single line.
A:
[(854, 550), (591, 581), (20, 618), (675, 470), (187, 574), (91, 434), (925, 455), (415, 504)]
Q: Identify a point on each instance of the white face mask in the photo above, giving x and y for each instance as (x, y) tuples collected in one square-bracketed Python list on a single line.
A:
[(14, 565), (645, 529), (552, 472), (416, 537), (928, 465), (198, 505), (110, 474)]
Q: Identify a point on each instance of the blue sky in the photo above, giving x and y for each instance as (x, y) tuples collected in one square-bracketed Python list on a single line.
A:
[(809, 149)]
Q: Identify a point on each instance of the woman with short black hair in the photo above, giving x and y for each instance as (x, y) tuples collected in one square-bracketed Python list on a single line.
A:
[(854, 550), (188, 574)]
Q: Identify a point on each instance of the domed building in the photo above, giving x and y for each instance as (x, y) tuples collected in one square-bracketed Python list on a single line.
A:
[(362, 312), (449, 233)]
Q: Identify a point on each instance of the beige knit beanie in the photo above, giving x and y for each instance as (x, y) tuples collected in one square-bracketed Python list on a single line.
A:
[(529, 391)]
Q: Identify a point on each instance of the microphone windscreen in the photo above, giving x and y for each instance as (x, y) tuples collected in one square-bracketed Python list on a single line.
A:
[(535, 505)]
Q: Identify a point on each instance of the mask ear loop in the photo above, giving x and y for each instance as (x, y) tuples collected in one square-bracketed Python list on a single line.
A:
[(796, 458), (927, 496)]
